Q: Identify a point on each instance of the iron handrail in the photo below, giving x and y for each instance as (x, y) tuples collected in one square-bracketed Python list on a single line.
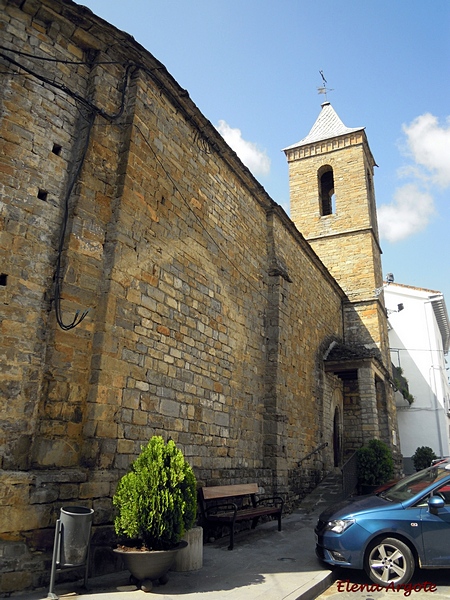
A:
[(324, 445)]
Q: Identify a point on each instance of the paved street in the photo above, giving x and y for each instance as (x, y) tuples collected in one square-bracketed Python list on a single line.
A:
[(426, 585)]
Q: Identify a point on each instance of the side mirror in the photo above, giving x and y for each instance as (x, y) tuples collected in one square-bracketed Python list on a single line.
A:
[(434, 504)]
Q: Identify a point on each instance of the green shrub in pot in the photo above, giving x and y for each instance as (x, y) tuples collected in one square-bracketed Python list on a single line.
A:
[(156, 501)]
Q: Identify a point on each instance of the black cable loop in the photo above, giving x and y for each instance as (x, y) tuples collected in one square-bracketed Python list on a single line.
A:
[(58, 276), (92, 112)]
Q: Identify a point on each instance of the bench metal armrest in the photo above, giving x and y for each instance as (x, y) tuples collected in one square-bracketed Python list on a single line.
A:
[(229, 506), (272, 501)]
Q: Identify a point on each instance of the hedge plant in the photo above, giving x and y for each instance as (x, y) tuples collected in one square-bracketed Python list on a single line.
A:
[(422, 457), (375, 464), (156, 500)]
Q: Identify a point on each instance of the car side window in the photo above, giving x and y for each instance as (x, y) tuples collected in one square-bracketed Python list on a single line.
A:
[(444, 493), (422, 502)]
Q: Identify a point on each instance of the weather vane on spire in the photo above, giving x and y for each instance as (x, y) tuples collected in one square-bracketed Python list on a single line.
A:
[(323, 89)]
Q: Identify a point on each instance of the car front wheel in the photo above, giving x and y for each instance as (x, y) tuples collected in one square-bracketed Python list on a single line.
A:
[(389, 561)]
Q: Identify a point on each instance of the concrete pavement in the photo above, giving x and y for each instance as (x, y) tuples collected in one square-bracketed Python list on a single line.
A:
[(265, 565)]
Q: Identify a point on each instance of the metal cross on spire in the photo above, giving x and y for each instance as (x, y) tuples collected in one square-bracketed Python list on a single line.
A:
[(323, 89)]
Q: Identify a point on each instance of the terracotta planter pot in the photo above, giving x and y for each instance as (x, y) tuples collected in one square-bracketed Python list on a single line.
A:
[(149, 565)]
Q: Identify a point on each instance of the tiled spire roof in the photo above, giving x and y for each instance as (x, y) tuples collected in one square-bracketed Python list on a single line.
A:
[(328, 125)]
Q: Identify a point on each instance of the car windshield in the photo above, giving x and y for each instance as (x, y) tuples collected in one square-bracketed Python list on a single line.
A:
[(408, 487)]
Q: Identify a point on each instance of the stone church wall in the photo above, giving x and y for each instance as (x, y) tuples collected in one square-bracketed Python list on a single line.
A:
[(209, 314)]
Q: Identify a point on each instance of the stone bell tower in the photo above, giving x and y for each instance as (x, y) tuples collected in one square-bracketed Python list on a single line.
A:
[(333, 205)]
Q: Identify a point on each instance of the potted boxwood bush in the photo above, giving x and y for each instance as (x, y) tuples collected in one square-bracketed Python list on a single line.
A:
[(375, 466), (156, 503)]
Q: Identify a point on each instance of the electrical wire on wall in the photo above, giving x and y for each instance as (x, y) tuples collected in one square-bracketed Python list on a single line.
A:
[(59, 277), (88, 112), (89, 117)]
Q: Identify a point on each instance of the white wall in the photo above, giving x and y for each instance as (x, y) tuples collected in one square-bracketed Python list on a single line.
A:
[(417, 347)]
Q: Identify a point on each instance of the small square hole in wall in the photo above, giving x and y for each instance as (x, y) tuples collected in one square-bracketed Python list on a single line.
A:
[(56, 149), (3, 279), (42, 195)]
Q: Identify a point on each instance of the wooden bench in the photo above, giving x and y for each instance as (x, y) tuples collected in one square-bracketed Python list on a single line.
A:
[(241, 505)]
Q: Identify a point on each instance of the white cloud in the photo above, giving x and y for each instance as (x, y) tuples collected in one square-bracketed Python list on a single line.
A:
[(409, 213), (428, 145), (255, 159)]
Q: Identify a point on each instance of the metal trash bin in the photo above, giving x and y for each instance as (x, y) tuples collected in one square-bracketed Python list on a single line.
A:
[(75, 535), (71, 545)]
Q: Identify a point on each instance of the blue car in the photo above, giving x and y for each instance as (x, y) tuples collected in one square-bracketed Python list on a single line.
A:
[(389, 534)]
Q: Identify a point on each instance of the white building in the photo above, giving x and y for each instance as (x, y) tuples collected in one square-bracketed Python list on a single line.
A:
[(419, 338)]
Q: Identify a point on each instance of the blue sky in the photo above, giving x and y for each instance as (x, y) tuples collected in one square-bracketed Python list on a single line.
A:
[(252, 68)]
